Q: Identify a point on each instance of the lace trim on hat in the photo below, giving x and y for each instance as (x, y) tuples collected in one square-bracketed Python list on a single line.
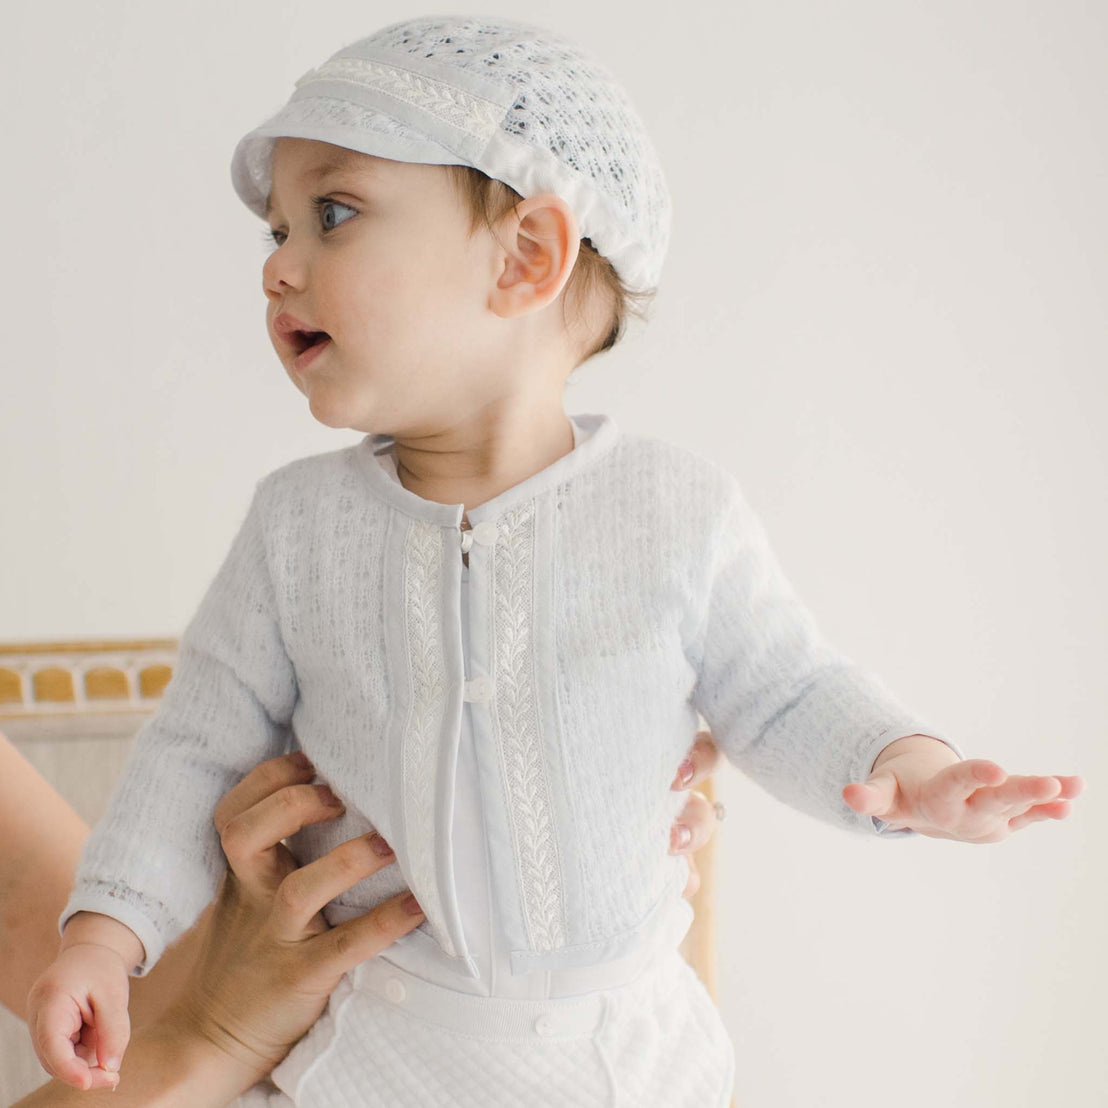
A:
[(472, 114)]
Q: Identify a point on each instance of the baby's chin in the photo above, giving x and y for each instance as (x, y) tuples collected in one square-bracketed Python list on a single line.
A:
[(331, 408), (329, 413)]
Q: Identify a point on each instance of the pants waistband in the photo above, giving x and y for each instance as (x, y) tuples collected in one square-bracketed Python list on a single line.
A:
[(510, 1017)]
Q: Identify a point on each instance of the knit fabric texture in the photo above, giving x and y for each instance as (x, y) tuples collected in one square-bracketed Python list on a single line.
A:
[(521, 103), (614, 595)]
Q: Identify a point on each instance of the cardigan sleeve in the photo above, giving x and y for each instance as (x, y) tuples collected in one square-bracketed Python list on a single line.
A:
[(795, 715), (154, 859)]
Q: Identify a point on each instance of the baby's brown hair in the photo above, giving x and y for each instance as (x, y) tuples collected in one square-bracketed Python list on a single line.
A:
[(487, 199)]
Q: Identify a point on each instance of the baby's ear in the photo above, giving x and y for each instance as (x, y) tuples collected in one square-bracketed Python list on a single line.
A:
[(540, 242)]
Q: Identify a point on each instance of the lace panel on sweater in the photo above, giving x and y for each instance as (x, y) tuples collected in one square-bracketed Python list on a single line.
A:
[(515, 720), (423, 585)]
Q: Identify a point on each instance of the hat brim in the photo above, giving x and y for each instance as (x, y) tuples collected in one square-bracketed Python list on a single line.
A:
[(251, 163)]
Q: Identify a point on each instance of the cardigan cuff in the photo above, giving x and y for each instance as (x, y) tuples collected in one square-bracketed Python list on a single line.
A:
[(127, 914)]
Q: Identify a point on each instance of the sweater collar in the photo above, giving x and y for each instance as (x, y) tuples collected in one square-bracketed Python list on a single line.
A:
[(593, 435)]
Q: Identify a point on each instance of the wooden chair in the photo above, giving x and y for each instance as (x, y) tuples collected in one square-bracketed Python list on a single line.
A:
[(72, 709)]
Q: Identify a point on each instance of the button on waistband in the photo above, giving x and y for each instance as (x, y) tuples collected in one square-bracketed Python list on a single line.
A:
[(510, 1019)]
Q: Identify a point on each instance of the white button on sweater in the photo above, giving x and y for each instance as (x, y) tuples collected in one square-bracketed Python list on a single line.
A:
[(612, 596)]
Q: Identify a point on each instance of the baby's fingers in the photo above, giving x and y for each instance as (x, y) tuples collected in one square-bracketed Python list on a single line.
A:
[(1056, 809), (113, 1033), (56, 1029), (86, 1047)]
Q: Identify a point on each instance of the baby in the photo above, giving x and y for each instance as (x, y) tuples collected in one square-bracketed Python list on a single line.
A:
[(490, 626)]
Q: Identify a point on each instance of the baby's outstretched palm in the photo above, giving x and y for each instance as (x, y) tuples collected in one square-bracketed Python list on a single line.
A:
[(972, 801)]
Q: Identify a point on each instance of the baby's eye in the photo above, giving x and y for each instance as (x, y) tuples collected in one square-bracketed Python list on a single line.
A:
[(322, 206)]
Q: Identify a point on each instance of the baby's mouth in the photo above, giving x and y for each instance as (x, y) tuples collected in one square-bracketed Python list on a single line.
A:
[(303, 340)]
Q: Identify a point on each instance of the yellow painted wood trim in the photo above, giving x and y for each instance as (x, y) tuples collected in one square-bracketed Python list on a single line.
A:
[(84, 711), (87, 646), (83, 678)]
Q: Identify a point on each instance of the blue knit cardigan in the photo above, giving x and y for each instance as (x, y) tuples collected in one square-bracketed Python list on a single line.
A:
[(613, 595)]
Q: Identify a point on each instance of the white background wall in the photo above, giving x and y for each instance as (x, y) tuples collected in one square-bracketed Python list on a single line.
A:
[(883, 309)]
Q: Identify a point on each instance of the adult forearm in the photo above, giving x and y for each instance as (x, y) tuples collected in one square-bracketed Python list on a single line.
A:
[(42, 837), (164, 1067), (160, 988)]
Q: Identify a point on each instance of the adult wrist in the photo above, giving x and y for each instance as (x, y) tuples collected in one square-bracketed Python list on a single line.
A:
[(167, 1065), (194, 1070), (212, 1046)]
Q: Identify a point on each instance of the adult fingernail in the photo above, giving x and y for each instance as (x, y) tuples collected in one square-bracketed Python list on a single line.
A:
[(300, 760), (685, 773), (379, 845), (327, 796), (680, 837), (411, 905)]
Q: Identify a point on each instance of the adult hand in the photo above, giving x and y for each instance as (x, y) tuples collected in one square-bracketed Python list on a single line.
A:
[(266, 958), (698, 821), (270, 960)]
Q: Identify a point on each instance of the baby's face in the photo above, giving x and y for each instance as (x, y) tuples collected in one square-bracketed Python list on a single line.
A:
[(383, 265)]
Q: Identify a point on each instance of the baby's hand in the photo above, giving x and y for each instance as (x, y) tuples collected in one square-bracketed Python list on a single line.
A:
[(77, 1016), (926, 788)]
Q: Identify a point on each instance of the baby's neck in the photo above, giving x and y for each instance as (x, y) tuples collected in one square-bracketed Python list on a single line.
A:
[(443, 486), (440, 494)]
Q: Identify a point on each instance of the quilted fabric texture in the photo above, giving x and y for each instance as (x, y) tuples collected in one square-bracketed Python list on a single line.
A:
[(659, 1043), (517, 101)]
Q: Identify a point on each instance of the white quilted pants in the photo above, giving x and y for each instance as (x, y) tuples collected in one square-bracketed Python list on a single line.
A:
[(389, 1039)]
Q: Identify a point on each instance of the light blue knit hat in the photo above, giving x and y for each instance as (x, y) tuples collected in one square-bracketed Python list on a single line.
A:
[(516, 101)]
